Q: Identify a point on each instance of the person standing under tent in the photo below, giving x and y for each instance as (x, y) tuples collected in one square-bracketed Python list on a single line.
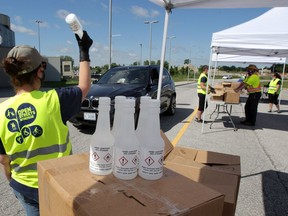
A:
[(274, 91), (201, 91), (253, 86), (33, 122)]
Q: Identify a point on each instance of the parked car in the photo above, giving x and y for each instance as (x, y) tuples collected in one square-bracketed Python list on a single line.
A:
[(129, 81), (227, 77)]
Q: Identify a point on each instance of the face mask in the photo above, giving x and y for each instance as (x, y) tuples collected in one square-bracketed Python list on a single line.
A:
[(250, 72), (43, 77)]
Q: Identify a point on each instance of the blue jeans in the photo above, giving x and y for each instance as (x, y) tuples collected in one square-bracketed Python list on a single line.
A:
[(31, 206)]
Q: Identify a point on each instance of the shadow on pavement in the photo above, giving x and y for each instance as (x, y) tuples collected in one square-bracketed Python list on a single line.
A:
[(167, 122), (274, 187)]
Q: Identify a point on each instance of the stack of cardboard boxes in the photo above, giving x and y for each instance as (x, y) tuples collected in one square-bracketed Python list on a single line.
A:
[(195, 182), (225, 92)]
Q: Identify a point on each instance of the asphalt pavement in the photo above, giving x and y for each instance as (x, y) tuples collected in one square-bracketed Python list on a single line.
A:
[(262, 148)]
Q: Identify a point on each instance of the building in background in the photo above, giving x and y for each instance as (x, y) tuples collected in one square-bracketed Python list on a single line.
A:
[(7, 41), (56, 69)]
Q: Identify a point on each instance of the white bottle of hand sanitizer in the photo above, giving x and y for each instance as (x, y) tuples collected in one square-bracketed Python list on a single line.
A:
[(75, 25)]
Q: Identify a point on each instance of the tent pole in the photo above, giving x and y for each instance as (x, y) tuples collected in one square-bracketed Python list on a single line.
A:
[(163, 53), (283, 74), (207, 88)]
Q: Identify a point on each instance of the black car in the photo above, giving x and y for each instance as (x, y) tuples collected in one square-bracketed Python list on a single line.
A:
[(129, 81)]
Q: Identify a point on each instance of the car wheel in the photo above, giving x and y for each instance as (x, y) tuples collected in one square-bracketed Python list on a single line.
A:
[(172, 107)]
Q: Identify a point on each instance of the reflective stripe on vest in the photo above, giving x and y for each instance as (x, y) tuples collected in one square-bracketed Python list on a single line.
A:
[(31, 130), (41, 151), (273, 86), (199, 89)]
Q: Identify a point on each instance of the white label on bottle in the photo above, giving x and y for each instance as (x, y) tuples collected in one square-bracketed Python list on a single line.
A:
[(151, 162), (101, 159), (126, 161)]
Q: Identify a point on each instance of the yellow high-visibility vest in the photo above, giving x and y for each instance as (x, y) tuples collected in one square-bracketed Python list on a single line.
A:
[(273, 86), (199, 89), (32, 130)]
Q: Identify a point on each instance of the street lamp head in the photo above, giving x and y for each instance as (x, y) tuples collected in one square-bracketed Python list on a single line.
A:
[(151, 22), (171, 37)]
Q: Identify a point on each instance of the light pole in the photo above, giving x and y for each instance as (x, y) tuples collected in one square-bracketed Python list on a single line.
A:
[(170, 38), (38, 23), (115, 35), (150, 23), (140, 62), (110, 33)]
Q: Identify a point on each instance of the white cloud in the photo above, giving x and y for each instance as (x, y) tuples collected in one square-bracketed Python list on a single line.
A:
[(154, 13), (22, 29), (18, 19), (62, 13), (142, 12), (69, 42), (139, 11)]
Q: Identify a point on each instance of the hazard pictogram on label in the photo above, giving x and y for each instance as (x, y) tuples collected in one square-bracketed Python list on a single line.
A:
[(95, 156), (149, 161), (107, 157), (135, 160), (160, 160), (123, 161)]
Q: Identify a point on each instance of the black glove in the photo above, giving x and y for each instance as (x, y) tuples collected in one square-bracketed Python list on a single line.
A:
[(84, 45)]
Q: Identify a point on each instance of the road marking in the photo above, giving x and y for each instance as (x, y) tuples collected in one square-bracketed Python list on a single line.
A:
[(184, 128)]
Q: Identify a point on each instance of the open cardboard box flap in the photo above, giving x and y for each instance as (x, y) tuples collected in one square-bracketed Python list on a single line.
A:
[(218, 171)]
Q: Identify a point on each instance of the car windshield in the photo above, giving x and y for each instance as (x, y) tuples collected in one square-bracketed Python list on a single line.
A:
[(125, 76)]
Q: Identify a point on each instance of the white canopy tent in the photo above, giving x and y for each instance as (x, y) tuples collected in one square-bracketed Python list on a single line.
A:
[(260, 40), (266, 35), (168, 5)]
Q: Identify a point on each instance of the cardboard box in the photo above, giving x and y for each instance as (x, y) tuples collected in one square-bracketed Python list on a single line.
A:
[(66, 187), (235, 85), (231, 96), (226, 84), (168, 145), (215, 170)]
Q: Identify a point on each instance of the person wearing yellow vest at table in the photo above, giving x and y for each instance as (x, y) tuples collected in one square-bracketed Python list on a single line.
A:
[(274, 91), (201, 91), (33, 122), (253, 87)]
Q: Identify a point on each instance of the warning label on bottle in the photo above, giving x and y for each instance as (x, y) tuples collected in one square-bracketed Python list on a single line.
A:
[(125, 161), (151, 162)]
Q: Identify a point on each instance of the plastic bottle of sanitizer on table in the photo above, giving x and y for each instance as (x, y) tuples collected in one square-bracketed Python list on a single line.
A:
[(102, 141), (117, 124), (74, 24), (126, 143), (151, 143)]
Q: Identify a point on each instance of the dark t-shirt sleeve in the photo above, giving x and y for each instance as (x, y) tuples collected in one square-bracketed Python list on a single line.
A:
[(70, 102), (2, 150), (203, 79)]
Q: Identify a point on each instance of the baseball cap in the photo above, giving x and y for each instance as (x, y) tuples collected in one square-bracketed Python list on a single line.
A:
[(27, 52)]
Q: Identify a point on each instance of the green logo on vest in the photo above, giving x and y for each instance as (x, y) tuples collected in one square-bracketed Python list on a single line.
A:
[(19, 119)]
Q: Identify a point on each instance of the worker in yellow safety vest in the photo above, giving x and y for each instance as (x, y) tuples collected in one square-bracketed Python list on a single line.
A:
[(33, 122), (253, 87), (201, 91), (274, 91)]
